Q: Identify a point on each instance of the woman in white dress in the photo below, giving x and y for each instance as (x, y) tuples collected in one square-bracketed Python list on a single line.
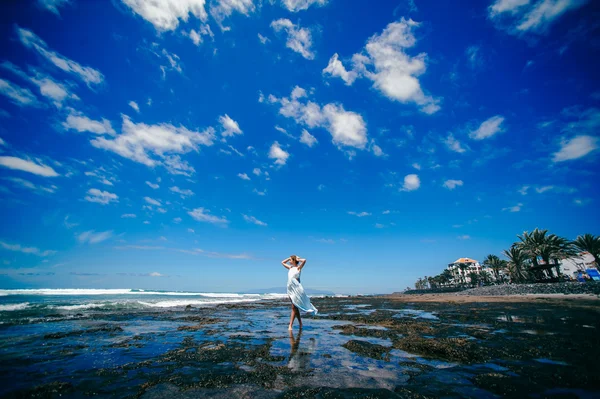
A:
[(298, 297)]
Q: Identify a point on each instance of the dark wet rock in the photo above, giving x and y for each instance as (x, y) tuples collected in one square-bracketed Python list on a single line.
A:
[(188, 308), (202, 321), (53, 389), (349, 329), (503, 385), (452, 349), (540, 288), (102, 329), (337, 393), (368, 349)]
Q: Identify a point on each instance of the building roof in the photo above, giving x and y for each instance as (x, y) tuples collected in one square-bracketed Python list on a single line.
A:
[(465, 260)]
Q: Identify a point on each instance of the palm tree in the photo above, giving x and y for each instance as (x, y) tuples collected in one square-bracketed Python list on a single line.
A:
[(494, 263), (532, 244), (446, 276), (473, 278), (463, 269), (589, 243), (517, 263)]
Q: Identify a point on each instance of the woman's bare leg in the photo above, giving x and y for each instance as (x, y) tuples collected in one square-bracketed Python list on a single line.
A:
[(292, 316), (298, 316)]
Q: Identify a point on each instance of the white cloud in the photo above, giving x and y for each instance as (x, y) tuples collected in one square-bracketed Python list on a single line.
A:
[(360, 215), (128, 216), (377, 151), (32, 41), (48, 87), (336, 68), (30, 186), (464, 237), (346, 128), (101, 197), (453, 144), (53, 5), (27, 166), (184, 193), (308, 138), (261, 193), (230, 127), (411, 182), (488, 128), (177, 220), (523, 190), (393, 72), (263, 40), (153, 145), (203, 215), (417, 166), (298, 39), (152, 185), (277, 153), (581, 201), (81, 123), (91, 237), (152, 201), (243, 176), (515, 208), (196, 36), (18, 95), (474, 59), (25, 250), (134, 105), (452, 184), (257, 171), (222, 9), (98, 173), (174, 63), (577, 147), (165, 14), (252, 219), (519, 17), (300, 5), (379, 226)]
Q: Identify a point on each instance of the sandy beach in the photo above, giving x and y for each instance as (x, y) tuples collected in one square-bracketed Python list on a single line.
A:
[(400, 346)]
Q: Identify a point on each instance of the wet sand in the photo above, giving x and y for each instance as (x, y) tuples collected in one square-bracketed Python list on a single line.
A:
[(357, 347)]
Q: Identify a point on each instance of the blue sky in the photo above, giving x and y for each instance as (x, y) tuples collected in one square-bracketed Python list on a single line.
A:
[(192, 145)]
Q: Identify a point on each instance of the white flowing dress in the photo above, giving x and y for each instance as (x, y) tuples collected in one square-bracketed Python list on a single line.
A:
[(296, 292)]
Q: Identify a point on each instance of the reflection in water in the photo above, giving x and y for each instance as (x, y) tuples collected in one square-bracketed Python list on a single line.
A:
[(299, 360)]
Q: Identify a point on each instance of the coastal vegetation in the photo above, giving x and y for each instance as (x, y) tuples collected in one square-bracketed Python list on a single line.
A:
[(535, 257)]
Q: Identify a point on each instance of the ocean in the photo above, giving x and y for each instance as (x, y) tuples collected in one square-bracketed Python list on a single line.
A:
[(154, 344), (28, 305)]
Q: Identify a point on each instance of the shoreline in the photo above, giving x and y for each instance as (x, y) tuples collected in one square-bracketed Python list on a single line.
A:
[(583, 300)]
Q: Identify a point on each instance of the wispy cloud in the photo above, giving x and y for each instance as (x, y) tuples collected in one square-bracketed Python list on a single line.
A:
[(26, 165), (252, 219), (30, 40), (359, 214), (203, 215), (184, 193), (101, 197), (93, 237), (298, 39), (25, 250)]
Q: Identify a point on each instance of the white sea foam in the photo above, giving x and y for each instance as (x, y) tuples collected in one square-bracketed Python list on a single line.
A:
[(86, 291), (14, 306), (178, 303)]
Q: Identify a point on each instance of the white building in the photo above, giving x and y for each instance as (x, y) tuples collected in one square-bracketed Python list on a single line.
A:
[(459, 274), (572, 266)]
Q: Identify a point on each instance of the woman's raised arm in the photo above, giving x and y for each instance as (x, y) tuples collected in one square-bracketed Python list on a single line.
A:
[(301, 263), (284, 262)]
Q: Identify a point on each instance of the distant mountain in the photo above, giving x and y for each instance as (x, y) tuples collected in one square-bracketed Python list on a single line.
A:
[(283, 290)]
